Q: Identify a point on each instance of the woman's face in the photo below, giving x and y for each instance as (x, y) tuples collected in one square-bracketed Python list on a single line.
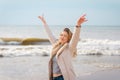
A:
[(63, 38)]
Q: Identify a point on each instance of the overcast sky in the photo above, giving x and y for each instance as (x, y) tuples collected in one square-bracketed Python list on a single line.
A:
[(59, 12)]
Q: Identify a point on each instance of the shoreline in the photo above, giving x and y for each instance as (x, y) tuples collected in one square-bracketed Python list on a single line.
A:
[(36, 67)]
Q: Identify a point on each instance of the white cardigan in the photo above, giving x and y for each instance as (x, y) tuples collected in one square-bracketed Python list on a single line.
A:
[(64, 54)]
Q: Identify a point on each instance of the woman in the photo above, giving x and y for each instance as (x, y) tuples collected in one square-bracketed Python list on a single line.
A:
[(60, 63)]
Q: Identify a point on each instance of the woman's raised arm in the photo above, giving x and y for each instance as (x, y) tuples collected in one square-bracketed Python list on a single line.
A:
[(76, 33), (52, 39)]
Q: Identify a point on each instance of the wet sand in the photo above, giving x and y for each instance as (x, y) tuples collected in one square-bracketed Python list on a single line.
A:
[(103, 75), (36, 67)]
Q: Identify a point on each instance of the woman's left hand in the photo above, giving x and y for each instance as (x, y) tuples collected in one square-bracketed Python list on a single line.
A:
[(81, 20)]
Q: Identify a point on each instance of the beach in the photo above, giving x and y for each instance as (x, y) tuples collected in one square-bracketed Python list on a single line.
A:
[(24, 52), (103, 75), (28, 27), (36, 67)]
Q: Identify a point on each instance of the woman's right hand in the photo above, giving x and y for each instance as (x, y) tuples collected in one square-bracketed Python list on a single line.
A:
[(42, 19)]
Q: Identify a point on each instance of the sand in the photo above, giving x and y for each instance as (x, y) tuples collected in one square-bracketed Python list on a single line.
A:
[(36, 67), (103, 75)]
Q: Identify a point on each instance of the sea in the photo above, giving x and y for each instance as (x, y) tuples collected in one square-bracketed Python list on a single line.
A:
[(98, 51), (94, 40)]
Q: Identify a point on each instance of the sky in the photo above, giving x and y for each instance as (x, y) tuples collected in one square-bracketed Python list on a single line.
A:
[(59, 12)]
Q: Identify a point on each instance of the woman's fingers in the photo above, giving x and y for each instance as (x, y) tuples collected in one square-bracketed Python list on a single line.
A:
[(42, 19), (39, 17), (81, 20), (86, 20), (83, 15)]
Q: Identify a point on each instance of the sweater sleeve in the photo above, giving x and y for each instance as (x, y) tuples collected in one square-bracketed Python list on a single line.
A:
[(51, 37), (74, 39)]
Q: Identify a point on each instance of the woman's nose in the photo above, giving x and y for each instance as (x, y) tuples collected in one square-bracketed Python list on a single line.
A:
[(62, 36)]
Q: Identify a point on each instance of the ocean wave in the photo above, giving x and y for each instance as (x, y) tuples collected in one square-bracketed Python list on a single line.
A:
[(99, 47), (13, 51), (2, 42), (85, 47), (22, 41)]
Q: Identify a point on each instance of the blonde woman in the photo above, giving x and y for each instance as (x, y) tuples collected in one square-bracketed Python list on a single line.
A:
[(63, 49)]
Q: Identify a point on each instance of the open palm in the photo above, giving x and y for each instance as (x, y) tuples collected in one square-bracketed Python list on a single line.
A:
[(81, 20)]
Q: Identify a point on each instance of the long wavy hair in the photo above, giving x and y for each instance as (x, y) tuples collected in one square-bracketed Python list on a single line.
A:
[(57, 45), (69, 34)]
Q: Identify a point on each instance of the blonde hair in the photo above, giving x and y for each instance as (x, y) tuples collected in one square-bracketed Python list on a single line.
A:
[(57, 44), (69, 33), (69, 38)]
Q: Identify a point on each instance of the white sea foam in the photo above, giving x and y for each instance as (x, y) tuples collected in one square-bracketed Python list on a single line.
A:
[(24, 50), (9, 43), (85, 47), (99, 47)]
